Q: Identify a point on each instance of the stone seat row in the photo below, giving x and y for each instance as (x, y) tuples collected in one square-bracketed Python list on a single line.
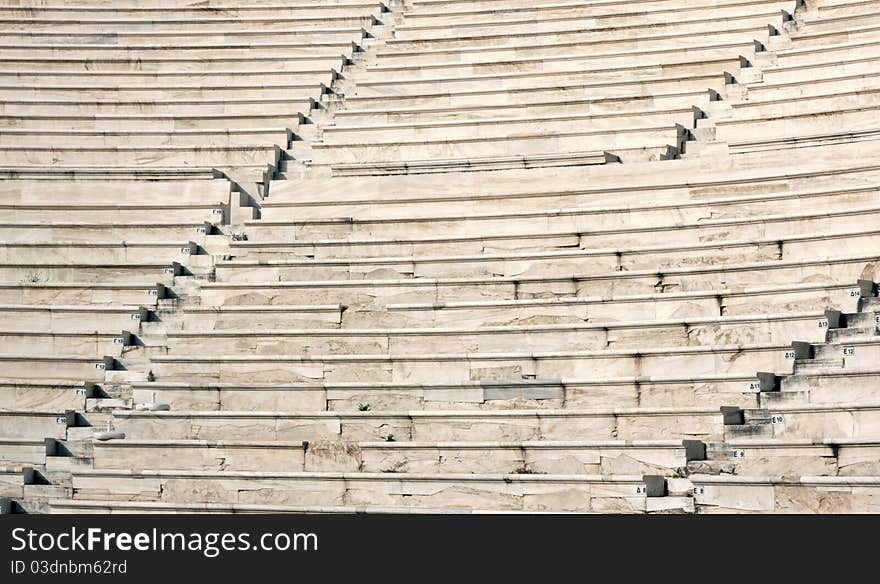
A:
[(692, 331), (713, 255), (367, 292), (819, 421), (425, 368), (579, 31), (827, 457), (593, 188), (820, 388), (743, 390), (237, 9), (700, 304), (426, 13), (420, 368), (316, 25), (754, 111), (35, 139), (259, 245), (586, 493), (697, 304)]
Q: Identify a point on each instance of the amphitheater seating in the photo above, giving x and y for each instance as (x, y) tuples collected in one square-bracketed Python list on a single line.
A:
[(439, 256)]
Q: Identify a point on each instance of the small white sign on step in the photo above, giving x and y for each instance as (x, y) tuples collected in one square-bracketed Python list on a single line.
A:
[(61, 420), (135, 316), (185, 250), (855, 293), (877, 319), (100, 366), (777, 419), (755, 386), (738, 454), (641, 489), (698, 490), (216, 211), (169, 271), (81, 391), (849, 351), (152, 292), (790, 354), (823, 323), (118, 340)]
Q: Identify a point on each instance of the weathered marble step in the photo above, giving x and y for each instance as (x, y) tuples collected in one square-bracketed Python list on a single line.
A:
[(106, 212), (829, 457), (622, 392), (428, 18), (142, 273), (826, 457), (234, 76), (851, 384), (707, 303), (547, 263), (374, 220), (30, 138), (98, 293), (653, 75), (262, 10), (317, 29), (465, 128), (826, 102), (493, 33), (773, 494), (371, 114), (645, 45), (13, 479), (21, 424), (536, 142), (83, 506), (75, 88), (184, 252), (430, 8), (209, 318), (259, 245), (764, 92), (87, 344), (80, 368), (620, 493), (560, 89), (34, 394), (855, 117), (141, 156), (850, 63), (50, 319), (270, 340), (22, 452), (194, 37), (838, 25), (379, 292), (73, 56), (808, 141), (457, 367), (134, 231), (508, 193), (23, 192), (563, 63), (816, 421), (703, 423), (606, 458), (257, 172), (30, 67), (854, 46)]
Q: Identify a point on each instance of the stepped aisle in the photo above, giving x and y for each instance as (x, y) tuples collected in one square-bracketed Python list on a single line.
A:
[(440, 256)]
